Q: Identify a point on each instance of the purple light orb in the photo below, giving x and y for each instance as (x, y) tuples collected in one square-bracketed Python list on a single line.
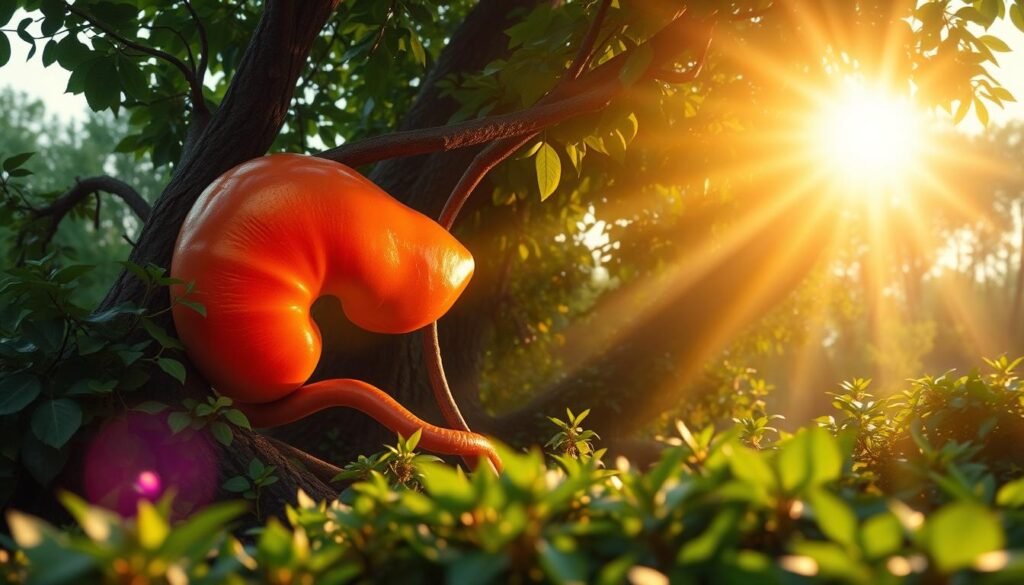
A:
[(137, 457)]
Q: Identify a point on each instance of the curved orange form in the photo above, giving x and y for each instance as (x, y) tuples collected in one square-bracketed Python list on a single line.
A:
[(268, 238)]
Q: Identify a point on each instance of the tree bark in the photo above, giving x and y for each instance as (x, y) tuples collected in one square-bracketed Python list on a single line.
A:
[(244, 127)]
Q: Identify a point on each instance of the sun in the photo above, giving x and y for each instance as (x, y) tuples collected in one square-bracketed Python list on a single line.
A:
[(867, 140)]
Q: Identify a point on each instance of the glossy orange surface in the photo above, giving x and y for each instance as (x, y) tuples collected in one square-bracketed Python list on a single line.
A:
[(269, 237)]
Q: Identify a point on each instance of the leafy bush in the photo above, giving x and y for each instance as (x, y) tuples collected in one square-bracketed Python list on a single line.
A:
[(811, 507), (62, 365)]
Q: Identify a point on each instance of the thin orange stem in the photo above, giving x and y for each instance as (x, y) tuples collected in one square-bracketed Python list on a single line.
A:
[(380, 406)]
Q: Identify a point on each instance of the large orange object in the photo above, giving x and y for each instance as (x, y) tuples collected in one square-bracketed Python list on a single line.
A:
[(268, 238)]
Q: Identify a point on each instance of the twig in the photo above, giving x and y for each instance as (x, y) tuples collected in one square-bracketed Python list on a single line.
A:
[(585, 54), (755, 13), (678, 77), (204, 48), (383, 27), (184, 42)]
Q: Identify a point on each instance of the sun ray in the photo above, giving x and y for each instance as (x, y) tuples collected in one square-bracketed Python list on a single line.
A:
[(586, 341)]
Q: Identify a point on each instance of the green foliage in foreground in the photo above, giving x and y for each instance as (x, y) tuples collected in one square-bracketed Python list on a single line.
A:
[(815, 506)]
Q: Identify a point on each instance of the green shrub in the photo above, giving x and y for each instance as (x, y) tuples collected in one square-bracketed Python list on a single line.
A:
[(820, 505)]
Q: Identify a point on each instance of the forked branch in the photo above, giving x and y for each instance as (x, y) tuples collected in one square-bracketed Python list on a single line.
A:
[(55, 212)]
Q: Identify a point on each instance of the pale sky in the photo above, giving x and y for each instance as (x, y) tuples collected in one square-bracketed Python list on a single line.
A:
[(48, 83)]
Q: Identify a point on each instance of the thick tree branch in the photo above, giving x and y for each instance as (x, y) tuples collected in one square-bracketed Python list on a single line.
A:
[(575, 96), (83, 188), (322, 470), (463, 134)]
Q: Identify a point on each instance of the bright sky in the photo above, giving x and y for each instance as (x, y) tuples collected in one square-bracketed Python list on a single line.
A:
[(48, 83)]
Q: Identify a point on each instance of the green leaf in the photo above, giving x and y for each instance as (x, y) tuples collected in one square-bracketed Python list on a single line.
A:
[(26, 36), (703, 547), (476, 567), (178, 421), (193, 537), (1017, 15), (561, 566), (54, 422), (5, 48), (102, 86), (413, 440), (42, 461), (417, 48), (133, 80), (989, 9), (70, 52), (1011, 495), (161, 336), (152, 526), (995, 43), (53, 22), (18, 391), (810, 458), (222, 433), (835, 519), (236, 484), (17, 160), (197, 307), (957, 534), (636, 65), (7, 10), (151, 407), (982, 111), (881, 536), (173, 367), (448, 486), (237, 418), (549, 170), (750, 466)]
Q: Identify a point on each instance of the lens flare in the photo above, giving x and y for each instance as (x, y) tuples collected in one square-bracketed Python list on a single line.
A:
[(137, 457), (867, 139)]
